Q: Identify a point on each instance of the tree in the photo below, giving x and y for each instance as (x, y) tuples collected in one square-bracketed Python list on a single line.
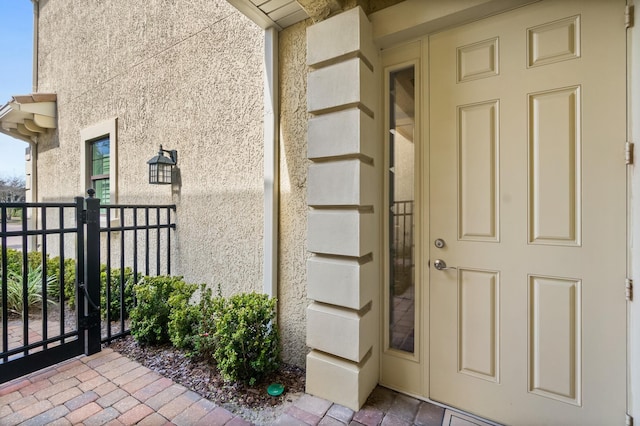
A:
[(12, 189)]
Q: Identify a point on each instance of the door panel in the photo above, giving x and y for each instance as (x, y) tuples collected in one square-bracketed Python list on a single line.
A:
[(554, 338), (554, 167), (528, 190), (478, 316), (478, 208)]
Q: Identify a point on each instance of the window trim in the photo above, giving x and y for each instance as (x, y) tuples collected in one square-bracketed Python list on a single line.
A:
[(104, 129)]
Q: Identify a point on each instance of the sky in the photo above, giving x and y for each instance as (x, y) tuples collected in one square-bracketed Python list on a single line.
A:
[(16, 50)]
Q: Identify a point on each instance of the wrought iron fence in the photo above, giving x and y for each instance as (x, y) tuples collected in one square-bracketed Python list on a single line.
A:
[(402, 245), (136, 241), (28, 343), (67, 278)]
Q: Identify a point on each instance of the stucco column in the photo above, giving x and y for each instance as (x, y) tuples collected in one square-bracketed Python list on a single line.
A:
[(343, 225)]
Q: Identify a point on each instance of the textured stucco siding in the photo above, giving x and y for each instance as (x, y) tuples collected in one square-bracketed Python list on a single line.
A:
[(186, 74), (293, 191)]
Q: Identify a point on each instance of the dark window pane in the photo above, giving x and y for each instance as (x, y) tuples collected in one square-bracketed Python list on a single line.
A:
[(100, 157)]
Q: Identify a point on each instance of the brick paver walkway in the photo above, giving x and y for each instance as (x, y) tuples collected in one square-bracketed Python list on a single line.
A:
[(110, 389), (106, 388)]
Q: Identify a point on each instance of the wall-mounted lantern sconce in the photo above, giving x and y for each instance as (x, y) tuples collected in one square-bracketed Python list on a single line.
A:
[(161, 167)]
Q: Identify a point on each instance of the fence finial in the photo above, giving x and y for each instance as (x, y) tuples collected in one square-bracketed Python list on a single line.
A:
[(91, 192)]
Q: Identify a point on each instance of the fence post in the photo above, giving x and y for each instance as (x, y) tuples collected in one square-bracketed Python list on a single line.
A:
[(91, 288)]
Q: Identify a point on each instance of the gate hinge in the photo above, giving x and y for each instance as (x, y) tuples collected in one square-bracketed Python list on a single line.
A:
[(629, 289), (628, 153), (90, 321), (628, 16), (629, 421)]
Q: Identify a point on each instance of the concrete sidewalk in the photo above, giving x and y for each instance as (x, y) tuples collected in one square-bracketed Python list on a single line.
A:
[(108, 388)]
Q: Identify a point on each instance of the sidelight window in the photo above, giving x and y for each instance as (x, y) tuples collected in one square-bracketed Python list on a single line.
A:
[(401, 160)]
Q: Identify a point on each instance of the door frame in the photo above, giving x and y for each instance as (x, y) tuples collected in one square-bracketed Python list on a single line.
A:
[(411, 22), (397, 367)]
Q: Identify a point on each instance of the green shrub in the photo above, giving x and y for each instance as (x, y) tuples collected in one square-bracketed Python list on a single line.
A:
[(247, 343), (150, 317), (14, 261), (184, 318), (204, 341), (114, 288), (115, 277), (239, 333), (34, 260), (68, 277)]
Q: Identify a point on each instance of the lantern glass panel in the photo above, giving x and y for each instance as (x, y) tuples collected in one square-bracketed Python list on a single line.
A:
[(160, 173)]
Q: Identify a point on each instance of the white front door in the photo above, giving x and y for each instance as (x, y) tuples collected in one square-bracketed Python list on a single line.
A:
[(517, 127), (527, 191)]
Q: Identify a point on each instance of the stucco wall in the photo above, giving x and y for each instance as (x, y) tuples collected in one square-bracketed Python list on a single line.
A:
[(293, 191), (186, 74)]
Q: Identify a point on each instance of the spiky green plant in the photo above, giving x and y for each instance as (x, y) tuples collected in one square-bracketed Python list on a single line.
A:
[(34, 290)]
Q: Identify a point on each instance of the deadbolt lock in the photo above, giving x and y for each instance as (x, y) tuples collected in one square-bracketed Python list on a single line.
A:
[(439, 243)]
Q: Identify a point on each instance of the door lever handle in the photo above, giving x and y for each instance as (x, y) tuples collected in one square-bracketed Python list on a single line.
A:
[(441, 265)]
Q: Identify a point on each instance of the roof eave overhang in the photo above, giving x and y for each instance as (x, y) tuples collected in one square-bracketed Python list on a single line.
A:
[(254, 13), (25, 117), (271, 14), (16, 135)]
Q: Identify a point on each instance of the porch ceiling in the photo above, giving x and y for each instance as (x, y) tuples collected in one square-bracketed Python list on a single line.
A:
[(26, 116), (271, 13)]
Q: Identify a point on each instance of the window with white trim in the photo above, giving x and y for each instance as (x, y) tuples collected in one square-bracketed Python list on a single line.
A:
[(98, 161), (100, 165)]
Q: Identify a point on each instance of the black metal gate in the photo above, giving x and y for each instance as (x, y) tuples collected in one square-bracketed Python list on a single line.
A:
[(55, 308)]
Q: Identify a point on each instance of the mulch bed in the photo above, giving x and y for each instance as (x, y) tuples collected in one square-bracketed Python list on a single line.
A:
[(204, 378)]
